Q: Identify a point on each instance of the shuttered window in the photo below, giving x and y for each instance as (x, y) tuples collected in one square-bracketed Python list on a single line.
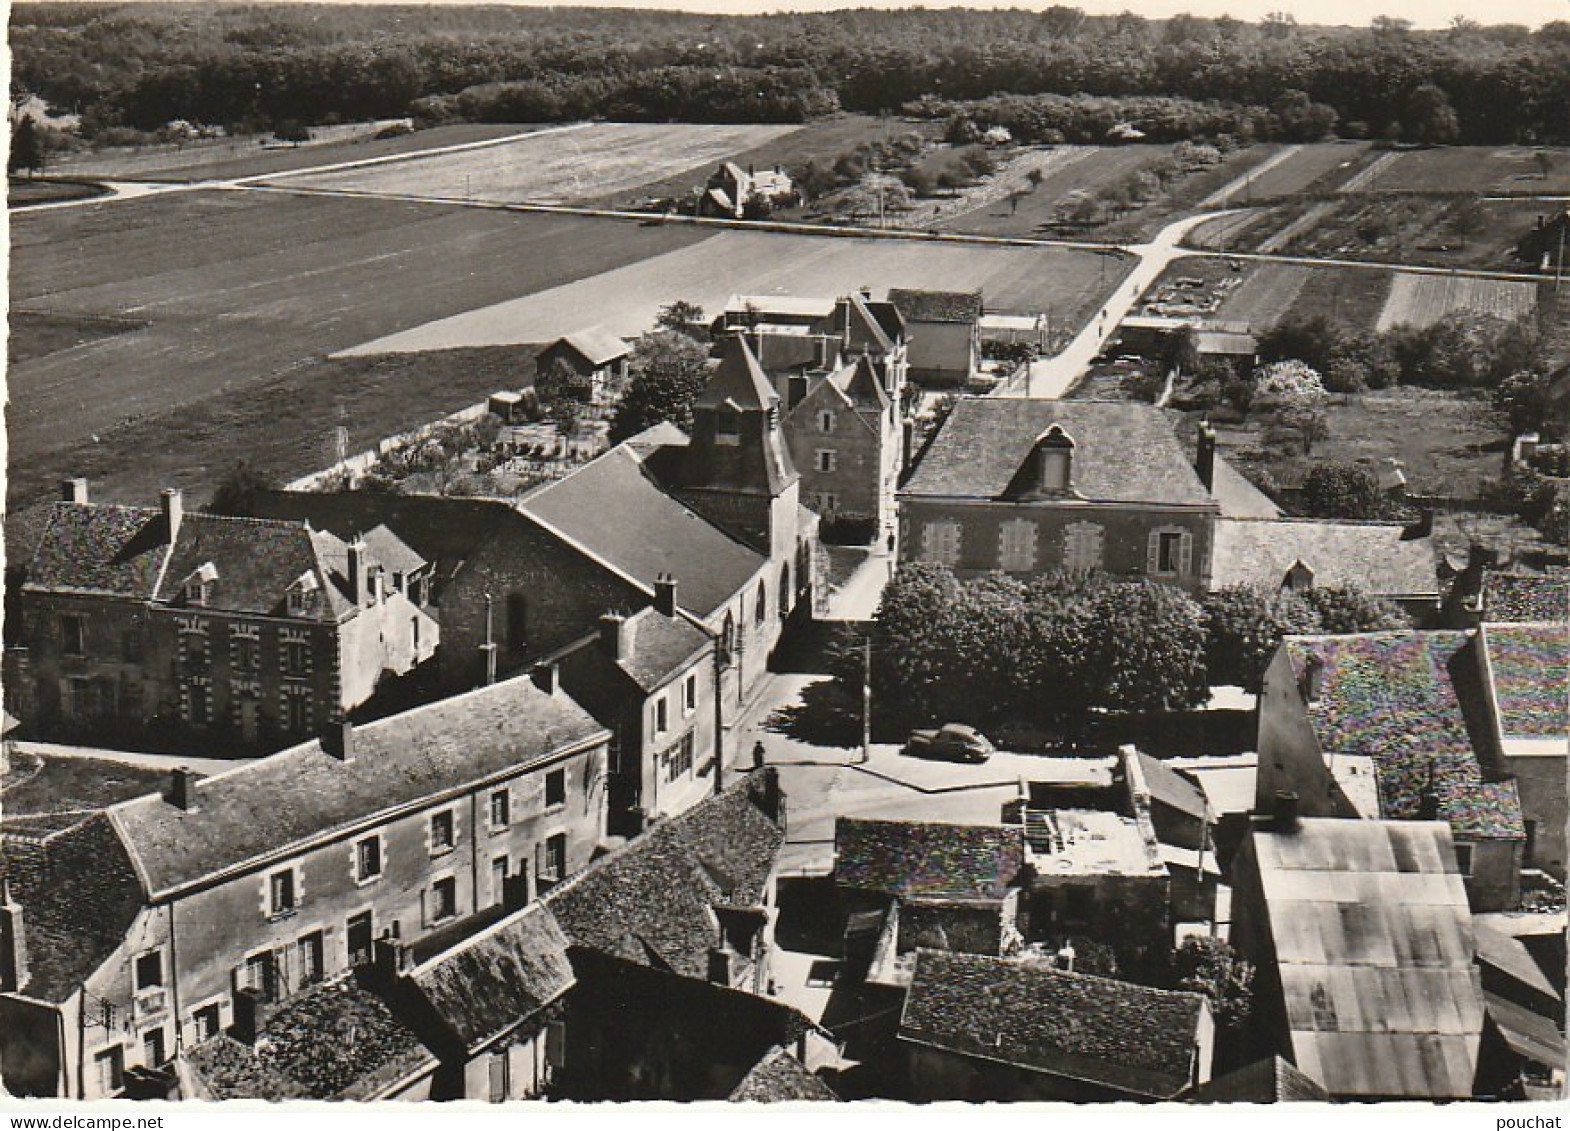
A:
[(1170, 552), (1082, 546), (940, 542), (1017, 546)]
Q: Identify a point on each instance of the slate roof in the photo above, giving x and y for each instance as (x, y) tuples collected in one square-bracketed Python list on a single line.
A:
[(391, 552), (780, 1078), (1530, 666), (1393, 696), (652, 902), (1272, 1080), (1125, 1037), (333, 1041), (661, 647), (1527, 597), (596, 346), (738, 379), (79, 894), (266, 808), (925, 858), (98, 548), (1123, 452), (257, 561), (493, 981), (1373, 557), (613, 508), (860, 326), (1372, 938), (1238, 497), (861, 384), (936, 306), (1171, 788)]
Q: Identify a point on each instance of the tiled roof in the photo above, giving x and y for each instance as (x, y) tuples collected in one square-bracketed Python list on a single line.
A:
[(780, 1078), (495, 980), (612, 507), (1171, 788), (100, 548), (937, 306), (79, 895), (1527, 597), (1373, 557), (334, 1041), (1530, 665), (661, 647), (270, 805), (652, 901), (257, 560), (1268, 1081), (1123, 452), (1393, 696), (1372, 938), (391, 552), (1126, 1037), (925, 858)]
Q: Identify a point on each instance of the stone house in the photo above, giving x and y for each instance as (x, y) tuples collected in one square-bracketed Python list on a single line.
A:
[(985, 1029), (157, 924), (190, 629), (733, 192), (1035, 486), (945, 334), (1389, 725), (847, 438)]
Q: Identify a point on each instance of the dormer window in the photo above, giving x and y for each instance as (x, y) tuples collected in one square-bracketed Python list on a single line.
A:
[(727, 426), (1054, 460), (299, 595), (197, 589)]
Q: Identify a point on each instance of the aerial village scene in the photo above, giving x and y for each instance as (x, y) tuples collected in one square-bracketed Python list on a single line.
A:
[(592, 554)]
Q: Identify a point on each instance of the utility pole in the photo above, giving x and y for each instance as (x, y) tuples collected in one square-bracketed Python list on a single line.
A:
[(489, 647), (866, 699)]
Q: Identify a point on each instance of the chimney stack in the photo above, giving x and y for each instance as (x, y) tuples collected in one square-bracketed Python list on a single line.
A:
[(1284, 819), (720, 966), (173, 503), (358, 570), (13, 942), (616, 634), (337, 740), (387, 959), (1205, 457), (665, 595), (545, 677), (74, 490), (182, 788)]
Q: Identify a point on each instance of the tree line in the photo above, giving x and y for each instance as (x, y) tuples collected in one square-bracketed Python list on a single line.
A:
[(144, 65)]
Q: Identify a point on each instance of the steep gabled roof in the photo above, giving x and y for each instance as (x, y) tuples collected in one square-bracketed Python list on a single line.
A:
[(269, 807), (661, 647), (738, 380), (653, 901), (926, 858), (780, 1078), (391, 552), (614, 508), (862, 384), (594, 345), (102, 549), (495, 980), (1268, 1081), (1122, 1036), (257, 561), (1123, 452), (937, 306), (1171, 788), (1377, 558), (860, 326), (1394, 697)]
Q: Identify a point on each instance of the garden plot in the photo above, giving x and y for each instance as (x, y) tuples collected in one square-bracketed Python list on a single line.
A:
[(1266, 295), (1422, 300), (1067, 283), (554, 167), (1476, 169)]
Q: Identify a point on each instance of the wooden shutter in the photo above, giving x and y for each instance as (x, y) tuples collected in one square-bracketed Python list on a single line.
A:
[(1186, 554), (1153, 552)]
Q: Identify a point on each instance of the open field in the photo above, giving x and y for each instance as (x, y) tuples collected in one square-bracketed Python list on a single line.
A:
[(1467, 169), (237, 290), (23, 193), (1264, 294), (1267, 294), (1071, 284), (1422, 300), (555, 167)]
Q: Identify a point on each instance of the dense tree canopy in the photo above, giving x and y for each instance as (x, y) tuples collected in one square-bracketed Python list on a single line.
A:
[(144, 65), (668, 371), (1244, 625)]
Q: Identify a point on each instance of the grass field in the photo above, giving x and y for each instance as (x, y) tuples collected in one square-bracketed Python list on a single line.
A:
[(557, 166), (22, 193), (1422, 300), (1267, 295), (240, 290), (624, 301), (1079, 168), (1479, 169)]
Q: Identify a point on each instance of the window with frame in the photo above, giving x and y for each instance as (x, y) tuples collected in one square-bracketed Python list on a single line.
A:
[(760, 612), (150, 970), (296, 658), (1017, 546), (1170, 552), (73, 635), (109, 1069), (825, 422), (153, 1051), (368, 859), (206, 1022), (1171, 545), (940, 542), (825, 459), (199, 700), (444, 899), (689, 694), (194, 647), (553, 862), (260, 973), (662, 720), (442, 832), (1082, 546), (310, 951), (556, 787), (297, 710), (281, 894), (501, 809), (678, 759), (244, 653)]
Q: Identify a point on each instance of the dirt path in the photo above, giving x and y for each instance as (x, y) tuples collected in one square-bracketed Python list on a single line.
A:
[(1223, 195)]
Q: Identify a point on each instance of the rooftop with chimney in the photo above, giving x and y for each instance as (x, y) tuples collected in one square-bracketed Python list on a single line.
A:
[(1384, 559)]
